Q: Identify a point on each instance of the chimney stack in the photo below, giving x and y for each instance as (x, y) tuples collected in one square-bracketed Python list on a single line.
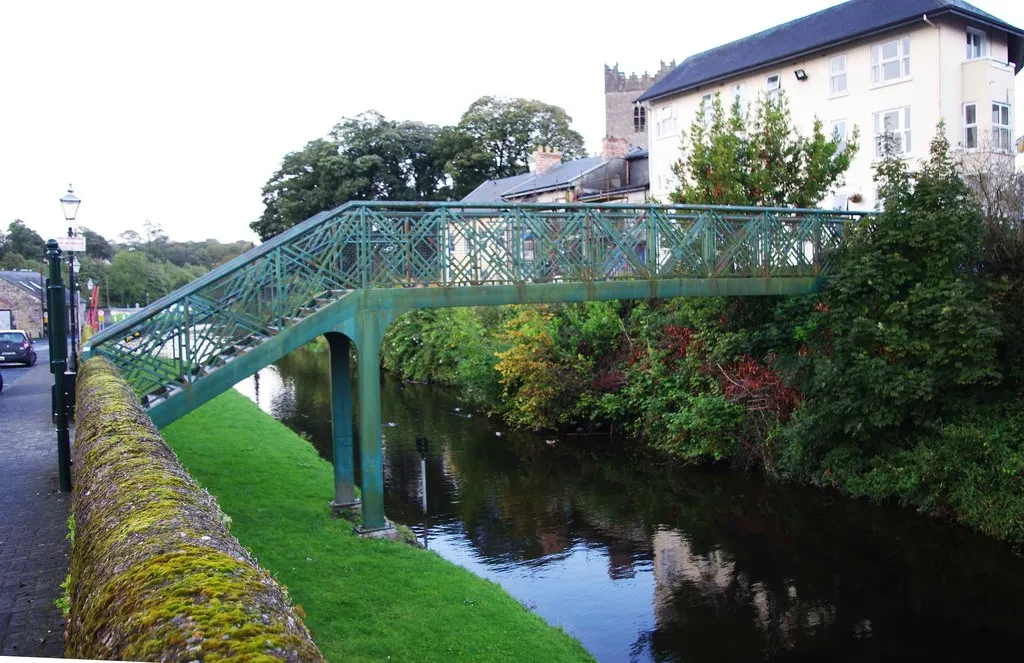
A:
[(614, 147), (544, 159)]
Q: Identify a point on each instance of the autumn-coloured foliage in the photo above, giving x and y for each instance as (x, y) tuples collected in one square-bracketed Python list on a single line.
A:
[(758, 388)]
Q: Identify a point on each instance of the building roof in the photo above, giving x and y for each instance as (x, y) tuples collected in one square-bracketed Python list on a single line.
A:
[(557, 177), (492, 191), (563, 176), (29, 282), (830, 27)]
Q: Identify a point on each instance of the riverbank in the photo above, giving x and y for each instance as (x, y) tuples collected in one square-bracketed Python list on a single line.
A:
[(363, 599)]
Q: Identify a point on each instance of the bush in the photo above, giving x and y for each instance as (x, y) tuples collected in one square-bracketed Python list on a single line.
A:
[(971, 469)]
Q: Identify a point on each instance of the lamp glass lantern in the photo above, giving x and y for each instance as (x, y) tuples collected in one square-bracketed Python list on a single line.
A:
[(70, 202)]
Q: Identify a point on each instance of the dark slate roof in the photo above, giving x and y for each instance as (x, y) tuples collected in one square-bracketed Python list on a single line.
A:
[(637, 153), (29, 282), (818, 31), (557, 177), (491, 191)]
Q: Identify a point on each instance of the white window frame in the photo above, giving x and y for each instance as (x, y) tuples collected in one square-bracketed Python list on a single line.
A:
[(834, 74), (968, 143), (981, 46), (707, 102), (839, 126), (878, 61), (770, 91), (902, 130), (738, 92), (1002, 132), (666, 125)]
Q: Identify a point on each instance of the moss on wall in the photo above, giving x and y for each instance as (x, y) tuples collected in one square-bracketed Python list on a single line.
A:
[(155, 575)]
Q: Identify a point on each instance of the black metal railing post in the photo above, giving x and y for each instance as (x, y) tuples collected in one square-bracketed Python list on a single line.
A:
[(58, 362)]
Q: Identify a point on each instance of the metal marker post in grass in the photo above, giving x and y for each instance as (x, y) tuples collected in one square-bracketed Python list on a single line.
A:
[(58, 362)]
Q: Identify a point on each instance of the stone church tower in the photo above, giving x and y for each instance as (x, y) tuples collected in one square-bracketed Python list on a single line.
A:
[(621, 117)]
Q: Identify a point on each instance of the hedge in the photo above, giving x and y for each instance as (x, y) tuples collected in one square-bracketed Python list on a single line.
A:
[(155, 574)]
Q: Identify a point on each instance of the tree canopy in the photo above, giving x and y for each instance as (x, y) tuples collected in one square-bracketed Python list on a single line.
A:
[(757, 157), (20, 247), (369, 157), (137, 269), (508, 130)]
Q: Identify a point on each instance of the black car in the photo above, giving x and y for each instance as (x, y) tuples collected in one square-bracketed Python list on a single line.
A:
[(16, 348)]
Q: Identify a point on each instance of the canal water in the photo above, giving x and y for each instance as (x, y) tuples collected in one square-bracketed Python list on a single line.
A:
[(642, 561)]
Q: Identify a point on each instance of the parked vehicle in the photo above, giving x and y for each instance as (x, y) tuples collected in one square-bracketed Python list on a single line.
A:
[(16, 348)]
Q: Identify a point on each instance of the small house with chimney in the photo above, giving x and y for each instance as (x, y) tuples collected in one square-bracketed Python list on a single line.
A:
[(618, 175)]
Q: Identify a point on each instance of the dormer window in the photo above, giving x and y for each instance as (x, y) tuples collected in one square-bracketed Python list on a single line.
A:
[(975, 44)]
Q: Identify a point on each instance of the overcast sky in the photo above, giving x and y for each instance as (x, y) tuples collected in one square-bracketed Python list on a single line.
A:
[(179, 112)]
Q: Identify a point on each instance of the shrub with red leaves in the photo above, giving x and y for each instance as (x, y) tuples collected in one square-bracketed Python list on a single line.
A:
[(610, 380), (677, 341), (758, 387)]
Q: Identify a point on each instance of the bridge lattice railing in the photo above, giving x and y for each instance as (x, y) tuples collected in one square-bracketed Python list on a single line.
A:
[(190, 332)]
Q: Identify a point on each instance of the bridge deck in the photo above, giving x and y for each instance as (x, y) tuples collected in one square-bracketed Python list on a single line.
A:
[(352, 269)]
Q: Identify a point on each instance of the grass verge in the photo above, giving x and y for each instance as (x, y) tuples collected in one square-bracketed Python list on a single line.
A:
[(363, 599)]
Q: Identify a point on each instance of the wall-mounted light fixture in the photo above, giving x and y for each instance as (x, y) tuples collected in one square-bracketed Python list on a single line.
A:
[(801, 75)]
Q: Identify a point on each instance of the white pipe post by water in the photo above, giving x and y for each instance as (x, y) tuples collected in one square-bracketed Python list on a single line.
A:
[(423, 481)]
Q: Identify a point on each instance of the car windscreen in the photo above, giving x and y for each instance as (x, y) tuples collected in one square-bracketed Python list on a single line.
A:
[(11, 337)]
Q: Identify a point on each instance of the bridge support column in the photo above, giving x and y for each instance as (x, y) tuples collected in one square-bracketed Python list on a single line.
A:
[(370, 327), (341, 423)]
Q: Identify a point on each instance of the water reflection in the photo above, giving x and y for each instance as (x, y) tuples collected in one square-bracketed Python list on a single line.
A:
[(642, 561)]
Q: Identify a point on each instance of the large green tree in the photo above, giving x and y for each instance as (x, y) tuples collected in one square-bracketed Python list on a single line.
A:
[(734, 156), (96, 245), (24, 241), (507, 131), (128, 278), (369, 157), (364, 158), (906, 335)]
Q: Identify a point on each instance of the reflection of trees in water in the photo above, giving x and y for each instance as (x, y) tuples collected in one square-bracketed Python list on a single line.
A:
[(742, 569), (745, 569), (304, 404)]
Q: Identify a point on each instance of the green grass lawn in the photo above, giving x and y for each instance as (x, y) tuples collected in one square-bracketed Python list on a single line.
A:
[(363, 599)]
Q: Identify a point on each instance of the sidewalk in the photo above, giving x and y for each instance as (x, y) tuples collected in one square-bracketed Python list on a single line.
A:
[(33, 517)]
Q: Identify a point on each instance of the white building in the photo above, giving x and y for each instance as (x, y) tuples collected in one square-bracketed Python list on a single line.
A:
[(897, 65)]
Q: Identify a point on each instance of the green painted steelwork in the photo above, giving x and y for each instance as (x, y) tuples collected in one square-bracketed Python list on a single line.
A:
[(58, 362), (341, 422), (350, 270)]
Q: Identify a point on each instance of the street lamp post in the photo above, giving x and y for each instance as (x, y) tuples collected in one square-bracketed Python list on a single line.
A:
[(70, 202)]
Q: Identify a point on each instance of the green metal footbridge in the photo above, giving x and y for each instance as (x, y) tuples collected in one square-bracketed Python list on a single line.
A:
[(346, 273)]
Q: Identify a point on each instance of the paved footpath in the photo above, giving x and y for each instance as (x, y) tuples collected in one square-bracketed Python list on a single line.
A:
[(33, 516)]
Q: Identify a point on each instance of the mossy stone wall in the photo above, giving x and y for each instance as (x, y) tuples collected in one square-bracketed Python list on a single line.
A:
[(155, 573)]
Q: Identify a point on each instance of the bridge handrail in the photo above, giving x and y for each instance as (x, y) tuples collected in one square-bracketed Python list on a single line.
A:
[(303, 227)]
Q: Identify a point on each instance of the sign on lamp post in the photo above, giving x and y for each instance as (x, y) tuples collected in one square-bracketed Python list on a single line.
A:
[(74, 244)]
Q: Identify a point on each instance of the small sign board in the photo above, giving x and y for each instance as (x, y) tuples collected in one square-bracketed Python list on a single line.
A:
[(72, 244)]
